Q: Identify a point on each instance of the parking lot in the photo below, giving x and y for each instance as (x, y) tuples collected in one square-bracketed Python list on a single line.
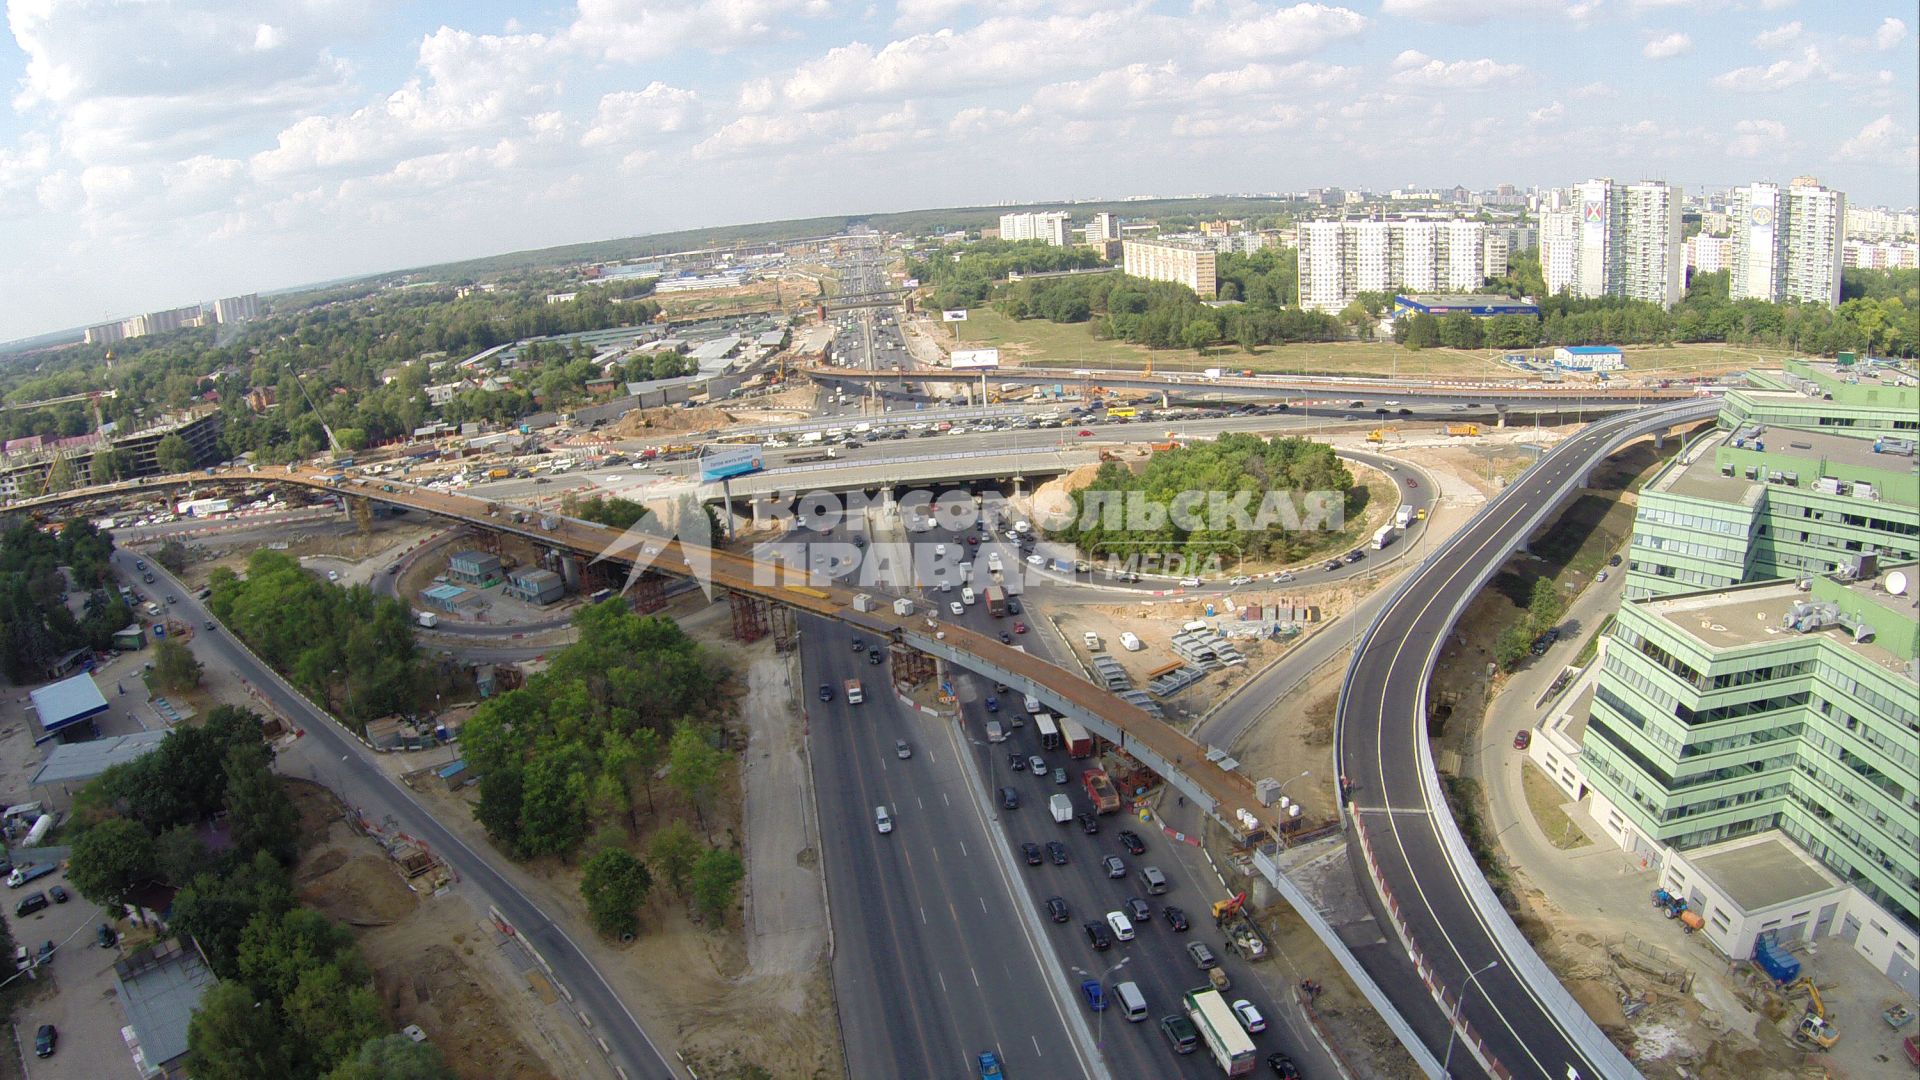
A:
[(73, 991)]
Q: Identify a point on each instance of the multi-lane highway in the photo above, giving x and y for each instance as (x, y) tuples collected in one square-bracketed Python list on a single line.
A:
[(1426, 881)]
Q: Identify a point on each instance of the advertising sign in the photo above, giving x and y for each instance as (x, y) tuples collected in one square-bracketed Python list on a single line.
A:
[(720, 462), (954, 316), (975, 359)]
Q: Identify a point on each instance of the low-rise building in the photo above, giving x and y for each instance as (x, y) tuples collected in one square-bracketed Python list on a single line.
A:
[(1589, 358), (158, 989), (536, 586), (474, 568), (1476, 304)]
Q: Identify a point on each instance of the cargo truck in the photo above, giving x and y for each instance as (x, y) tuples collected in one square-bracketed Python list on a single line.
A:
[(1232, 1050), (427, 619), (1079, 743), (1062, 809), (1383, 536), (996, 601), (1403, 516), (1106, 798), (1463, 429), (23, 874), (855, 695)]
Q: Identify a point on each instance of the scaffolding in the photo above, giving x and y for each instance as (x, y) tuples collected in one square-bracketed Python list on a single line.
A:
[(749, 617), (649, 593), (786, 636), (911, 667)]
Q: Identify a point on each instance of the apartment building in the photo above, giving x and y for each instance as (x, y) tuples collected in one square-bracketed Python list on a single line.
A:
[(1183, 261), (1051, 226), (1787, 243), (237, 309), (1609, 239), (1880, 223), (1883, 255), (1338, 260), (1709, 254)]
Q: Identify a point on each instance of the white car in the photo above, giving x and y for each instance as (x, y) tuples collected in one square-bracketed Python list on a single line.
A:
[(1241, 580), (1190, 582), (1123, 931), (1090, 639), (1284, 575), (939, 550), (1250, 1017), (1035, 560), (957, 609)]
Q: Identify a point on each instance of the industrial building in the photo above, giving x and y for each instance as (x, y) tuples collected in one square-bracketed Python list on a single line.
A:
[(1589, 358), (1606, 239), (1178, 261), (158, 988), (1341, 259), (536, 586)]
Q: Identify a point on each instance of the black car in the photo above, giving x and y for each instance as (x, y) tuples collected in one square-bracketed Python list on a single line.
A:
[(1332, 564), (1013, 607), (45, 1040), (1176, 918), (59, 894), (1614, 561), (1032, 852), (858, 645), (1283, 1067), (1356, 555), (1132, 842), (1009, 798), (826, 691), (1056, 909), (1006, 638), (1097, 936), (106, 937), (999, 688), (1088, 823), (874, 656), (1139, 911), (1057, 851), (1017, 761), (31, 903)]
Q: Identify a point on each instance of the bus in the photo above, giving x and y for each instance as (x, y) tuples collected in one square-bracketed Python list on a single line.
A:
[(1049, 732), (1117, 412)]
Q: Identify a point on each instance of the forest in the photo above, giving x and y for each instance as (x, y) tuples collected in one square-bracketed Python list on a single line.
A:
[(36, 628)]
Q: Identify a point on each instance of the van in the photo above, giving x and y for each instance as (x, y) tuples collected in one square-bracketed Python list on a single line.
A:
[(995, 733), (882, 820), (966, 595), (1132, 1003), (1153, 879)]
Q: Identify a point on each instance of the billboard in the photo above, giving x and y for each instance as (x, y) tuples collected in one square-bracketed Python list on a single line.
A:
[(975, 359), (720, 462), (954, 316)]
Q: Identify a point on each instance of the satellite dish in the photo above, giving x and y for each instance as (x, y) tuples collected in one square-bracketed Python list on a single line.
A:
[(1897, 583)]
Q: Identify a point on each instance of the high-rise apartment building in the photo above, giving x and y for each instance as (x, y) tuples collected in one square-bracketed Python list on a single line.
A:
[(1612, 239), (1709, 254), (1182, 261), (1885, 255), (1105, 226), (1787, 244), (236, 309), (1341, 259), (1050, 226)]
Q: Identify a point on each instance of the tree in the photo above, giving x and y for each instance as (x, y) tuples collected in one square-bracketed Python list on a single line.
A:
[(110, 860), (106, 466), (673, 850), (1511, 646), (614, 884), (171, 454), (394, 1057), (553, 811), (330, 1014), (693, 766), (261, 815), (716, 874), (502, 794), (174, 667), (60, 475), (1545, 605), (179, 856), (234, 1037), (215, 911)]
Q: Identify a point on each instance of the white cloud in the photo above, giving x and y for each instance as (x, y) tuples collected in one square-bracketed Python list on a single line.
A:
[(1595, 89), (1232, 126), (627, 30), (1469, 11), (1758, 139), (1778, 75), (1417, 70), (626, 115), (1547, 114), (1667, 47), (1290, 31), (1891, 33), (1778, 37), (1883, 142)]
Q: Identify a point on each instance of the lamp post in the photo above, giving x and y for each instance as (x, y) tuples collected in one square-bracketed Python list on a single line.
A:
[(1100, 1023), (1453, 1029)]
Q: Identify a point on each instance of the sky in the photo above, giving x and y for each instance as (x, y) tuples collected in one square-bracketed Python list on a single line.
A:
[(154, 153)]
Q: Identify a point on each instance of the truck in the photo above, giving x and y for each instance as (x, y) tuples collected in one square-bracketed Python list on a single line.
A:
[(1049, 731), (1106, 798), (996, 601), (1463, 429), (498, 473), (427, 619), (1383, 536), (1403, 516), (23, 874), (994, 565), (808, 438), (1232, 1050), (1062, 809), (1215, 373), (855, 695), (1079, 743)]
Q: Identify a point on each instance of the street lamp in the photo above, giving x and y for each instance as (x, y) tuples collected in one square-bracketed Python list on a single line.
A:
[(1453, 1029), (1100, 1022)]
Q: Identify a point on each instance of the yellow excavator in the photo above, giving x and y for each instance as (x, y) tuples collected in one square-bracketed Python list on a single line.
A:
[(1814, 1026)]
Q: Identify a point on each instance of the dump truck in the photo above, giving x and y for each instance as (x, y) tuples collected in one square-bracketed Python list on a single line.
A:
[(1062, 809), (1232, 1050), (996, 601), (855, 695), (1106, 799), (1463, 429), (1243, 934)]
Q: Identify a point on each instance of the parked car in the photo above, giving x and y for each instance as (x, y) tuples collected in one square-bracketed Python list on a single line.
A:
[(59, 894), (45, 1040)]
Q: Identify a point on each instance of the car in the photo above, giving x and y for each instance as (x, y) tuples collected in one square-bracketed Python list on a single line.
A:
[(1056, 909), (1355, 555), (1614, 561), (1523, 739), (1240, 579), (859, 645), (990, 1066), (1096, 997), (956, 608), (1059, 775), (105, 936), (1013, 606), (1412, 483), (211, 625), (1084, 433), (1009, 798), (1035, 560), (1283, 1067), (826, 691), (1189, 582), (29, 904), (1088, 823), (172, 599), (59, 894), (45, 1040), (993, 703), (1180, 1032), (541, 480), (1601, 576), (1032, 853), (1122, 926), (1019, 628), (1176, 919), (939, 550), (1332, 564), (1116, 867), (1139, 911), (1249, 1016), (1006, 638), (1097, 936), (973, 541), (1283, 576), (901, 750), (1132, 842), (876, 657), (1202, 956), (999, 688), (1017, 761), (1038, 764), (1057, 852)]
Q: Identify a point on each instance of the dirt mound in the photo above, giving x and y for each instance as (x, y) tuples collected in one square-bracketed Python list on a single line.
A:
[(363, 890), (642, 422)]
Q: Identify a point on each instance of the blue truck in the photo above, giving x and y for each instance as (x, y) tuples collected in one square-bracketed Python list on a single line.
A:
[(23, 874)]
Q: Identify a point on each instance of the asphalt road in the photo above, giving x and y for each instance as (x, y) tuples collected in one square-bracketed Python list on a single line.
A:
[(334, 758), (1379, 749)]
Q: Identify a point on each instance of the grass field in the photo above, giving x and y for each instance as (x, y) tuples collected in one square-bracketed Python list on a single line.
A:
[(1544, 799), (1038, 343)]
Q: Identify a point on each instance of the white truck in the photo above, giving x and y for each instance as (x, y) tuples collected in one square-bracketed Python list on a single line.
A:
[(1383, 536), (1403, 516), (427, 619), (1232, 1050), (1062, 809), (855, 695)]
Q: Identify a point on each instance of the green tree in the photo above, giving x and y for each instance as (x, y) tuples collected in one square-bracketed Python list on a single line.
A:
[(693, 767), (330, 1014), (553, 812), (1511, 646), (215, 910), (615, 884), (110, 860), (1545, 605), (179, 856), (716, 876), (502, 795), (673, 850), (394, 1057), (106, 466), (234, 1037), (258, 810), (61, 475), (174, 667), (171, 455)]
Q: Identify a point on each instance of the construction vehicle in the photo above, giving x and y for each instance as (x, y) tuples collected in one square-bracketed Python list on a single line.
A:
[(1106, 799), (23, 874), (1243, 935), (1669, 903), (1818, 1031), (1379, 435), (1463, 429), (1163, 446)]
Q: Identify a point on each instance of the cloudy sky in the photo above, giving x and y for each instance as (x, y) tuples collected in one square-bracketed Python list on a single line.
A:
[(158, 152)]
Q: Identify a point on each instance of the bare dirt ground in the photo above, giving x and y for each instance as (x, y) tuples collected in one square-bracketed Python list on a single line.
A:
[(1289, 741), (434, 961)]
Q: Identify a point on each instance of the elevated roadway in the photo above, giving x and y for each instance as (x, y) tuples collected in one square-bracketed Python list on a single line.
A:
[(1510, 1011)]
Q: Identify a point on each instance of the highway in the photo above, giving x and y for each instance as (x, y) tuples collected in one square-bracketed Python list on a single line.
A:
[(1495, 985), (341, 762)]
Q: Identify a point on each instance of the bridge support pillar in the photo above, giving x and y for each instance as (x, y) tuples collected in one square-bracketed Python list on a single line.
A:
[(749, 617), (1659, 441), (1500, 412), (911, 667), (571, 575), (361, 509), (649, 594), (786, 636)]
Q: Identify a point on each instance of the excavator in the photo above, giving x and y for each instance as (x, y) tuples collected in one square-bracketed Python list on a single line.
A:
[(1814, 1026)]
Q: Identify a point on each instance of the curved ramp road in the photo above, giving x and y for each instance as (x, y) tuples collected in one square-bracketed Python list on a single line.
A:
[(1511, 1012)]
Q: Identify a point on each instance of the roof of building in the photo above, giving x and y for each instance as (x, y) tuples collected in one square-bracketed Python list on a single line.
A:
[(477, 558), (1592, 350), (68, 701), (534, 576), (1763, 873), (76, 762), (1747, 615), (159, 991), (444, 592)]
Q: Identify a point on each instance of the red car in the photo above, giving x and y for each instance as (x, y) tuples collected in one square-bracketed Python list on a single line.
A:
[(1084, 433), (1019, 628), (1523, 739)]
